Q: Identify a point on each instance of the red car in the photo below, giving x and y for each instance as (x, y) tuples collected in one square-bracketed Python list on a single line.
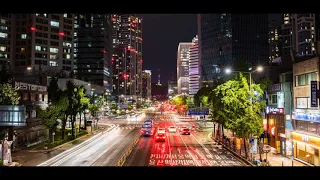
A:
[(160, 137), (185, 131)]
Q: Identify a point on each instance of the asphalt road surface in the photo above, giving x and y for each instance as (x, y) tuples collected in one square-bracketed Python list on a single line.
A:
[(103, 149), (179, 150)]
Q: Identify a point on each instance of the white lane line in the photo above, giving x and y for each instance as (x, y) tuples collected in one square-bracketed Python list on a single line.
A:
[(67, 153), (188, 151)]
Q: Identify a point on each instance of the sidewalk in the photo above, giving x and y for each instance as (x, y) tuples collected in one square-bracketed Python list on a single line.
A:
[(33, 158), (279, 160)]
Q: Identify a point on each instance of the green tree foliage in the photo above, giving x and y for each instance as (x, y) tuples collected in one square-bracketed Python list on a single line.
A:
[(5, 76), (204, 91), (52, 113), (8, 94), (264, 83), (180, 100), (233, 109), (53, 90), (84, 103)]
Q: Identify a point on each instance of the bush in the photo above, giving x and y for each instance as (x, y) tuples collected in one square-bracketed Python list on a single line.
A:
[(1, 163), (81, 133)]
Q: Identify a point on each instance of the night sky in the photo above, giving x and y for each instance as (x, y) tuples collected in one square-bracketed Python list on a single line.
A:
[(162, 34)]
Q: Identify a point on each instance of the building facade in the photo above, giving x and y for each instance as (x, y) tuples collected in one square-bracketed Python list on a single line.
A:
[(183, 58), (306, 117), (274, 42), (299, 35), (146, 84), (225, 42), (172, 88), (194, 68), (7, 38), (44, 42), (93, 49), (127, 55)]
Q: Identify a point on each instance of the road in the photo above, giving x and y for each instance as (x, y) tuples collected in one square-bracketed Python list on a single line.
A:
[(179, 150), (103, 149)]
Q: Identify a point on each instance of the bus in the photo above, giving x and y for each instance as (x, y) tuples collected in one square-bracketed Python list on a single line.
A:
[(148, 121), (147, 129)]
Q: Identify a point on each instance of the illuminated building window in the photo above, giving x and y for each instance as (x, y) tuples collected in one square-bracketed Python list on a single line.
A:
[(54, 23), (23, 49), (54, 50), (2, 48), (23, 36)]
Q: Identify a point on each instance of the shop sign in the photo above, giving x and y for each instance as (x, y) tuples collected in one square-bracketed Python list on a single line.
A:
[(306, 138), (306, 116), (274, 110), (30, 87), (274, 87), (314, 94)]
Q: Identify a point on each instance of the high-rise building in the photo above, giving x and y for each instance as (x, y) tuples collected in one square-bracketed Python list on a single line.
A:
[(146, 84), (298, 35), (194, 67), (7, 38), (274, 41), (183, 58), (230, 39), (93, 49), (127, 54), (172, 88), (44, 42), (159, 78)]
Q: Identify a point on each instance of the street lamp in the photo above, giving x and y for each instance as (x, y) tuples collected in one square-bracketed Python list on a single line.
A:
[(259, 69)]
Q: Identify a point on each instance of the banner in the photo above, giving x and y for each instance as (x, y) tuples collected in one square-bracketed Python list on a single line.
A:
[(314, 94)]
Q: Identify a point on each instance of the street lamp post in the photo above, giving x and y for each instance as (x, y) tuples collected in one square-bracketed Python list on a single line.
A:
[(259, 69)]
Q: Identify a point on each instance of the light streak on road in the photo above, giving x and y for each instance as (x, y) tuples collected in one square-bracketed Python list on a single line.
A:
[(64, 156)]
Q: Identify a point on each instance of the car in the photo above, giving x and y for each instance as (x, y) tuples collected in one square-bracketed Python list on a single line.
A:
[(161, 130), (181, 128), (185, 131), (172, 129), (160, 137)]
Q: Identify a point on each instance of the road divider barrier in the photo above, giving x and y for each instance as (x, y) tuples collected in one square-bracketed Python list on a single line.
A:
[(128, 151)]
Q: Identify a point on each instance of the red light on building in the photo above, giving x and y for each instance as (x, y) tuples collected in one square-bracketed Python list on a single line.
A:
[(141, 60), (112, 59), (32, 28), (61, 33), (125, 76), (104, 52), (125, 49), (113, 19), (141, 39)]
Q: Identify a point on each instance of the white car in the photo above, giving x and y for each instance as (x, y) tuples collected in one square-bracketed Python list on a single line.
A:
[(161, 130), (172, 129)]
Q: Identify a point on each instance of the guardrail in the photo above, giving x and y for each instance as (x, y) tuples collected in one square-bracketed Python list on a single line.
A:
[(128, 151)]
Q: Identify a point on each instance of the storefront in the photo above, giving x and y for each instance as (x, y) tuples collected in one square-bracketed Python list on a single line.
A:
[(276, 129), (306, 148)]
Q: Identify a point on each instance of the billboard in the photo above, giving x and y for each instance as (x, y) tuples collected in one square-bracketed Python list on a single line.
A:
[(314, 94)]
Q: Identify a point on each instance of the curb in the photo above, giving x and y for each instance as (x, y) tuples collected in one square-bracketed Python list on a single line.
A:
[(124, 158), (235, 154), (61, 145)]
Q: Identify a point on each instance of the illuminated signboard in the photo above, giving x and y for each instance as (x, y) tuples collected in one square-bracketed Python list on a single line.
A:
[(314, 94), (271, 110), (30, 87)]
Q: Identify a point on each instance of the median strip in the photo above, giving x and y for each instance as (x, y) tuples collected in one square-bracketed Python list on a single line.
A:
[(128, 151)]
